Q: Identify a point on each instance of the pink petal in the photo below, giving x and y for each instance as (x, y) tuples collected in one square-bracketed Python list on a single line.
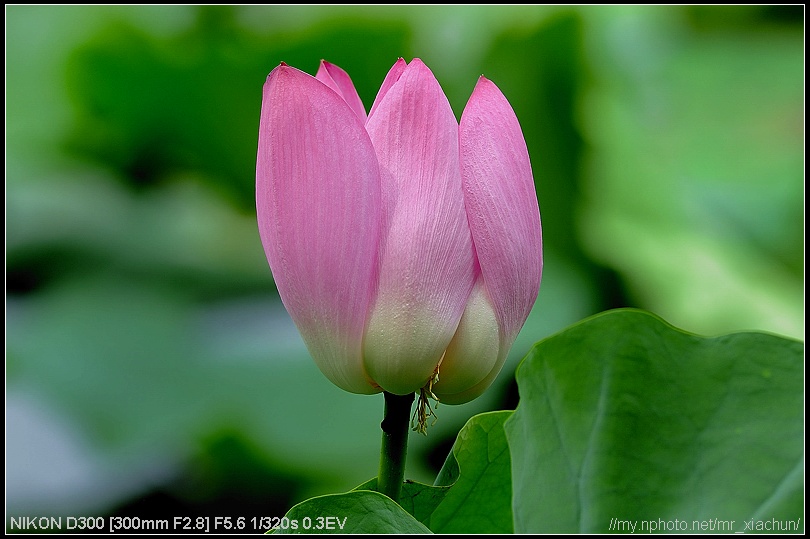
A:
[(505, 225), (318, 209), (501, 206), (426, 258), (393, 75), (339, 81)]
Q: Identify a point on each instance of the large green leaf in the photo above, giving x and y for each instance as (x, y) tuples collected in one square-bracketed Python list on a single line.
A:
[(479, 469), (625, 417), (416, 498), (359, 511)]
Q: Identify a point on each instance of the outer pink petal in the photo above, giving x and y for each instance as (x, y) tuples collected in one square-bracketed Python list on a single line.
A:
[(339, 81), (503, 215), (426, 257), (393, 75), (501, 204), (318, 208)]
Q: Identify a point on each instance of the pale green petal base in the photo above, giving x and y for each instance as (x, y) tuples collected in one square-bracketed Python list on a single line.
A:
[(473, 352), (403, 347)]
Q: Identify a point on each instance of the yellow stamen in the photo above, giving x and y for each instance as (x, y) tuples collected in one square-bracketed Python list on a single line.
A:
[(423, 409)]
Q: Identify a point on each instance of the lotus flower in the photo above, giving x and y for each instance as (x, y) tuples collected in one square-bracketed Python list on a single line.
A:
[(405, 246)]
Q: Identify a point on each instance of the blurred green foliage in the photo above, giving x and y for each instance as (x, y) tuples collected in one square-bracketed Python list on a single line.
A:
[(667, 148)]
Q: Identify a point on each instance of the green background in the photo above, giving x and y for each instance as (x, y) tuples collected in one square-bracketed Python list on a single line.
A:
[(151, 369)]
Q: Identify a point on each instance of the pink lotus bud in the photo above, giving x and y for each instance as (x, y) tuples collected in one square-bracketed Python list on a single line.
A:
[(403, 245)]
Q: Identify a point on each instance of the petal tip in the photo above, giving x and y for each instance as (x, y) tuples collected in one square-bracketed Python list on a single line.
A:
[(417, 64)]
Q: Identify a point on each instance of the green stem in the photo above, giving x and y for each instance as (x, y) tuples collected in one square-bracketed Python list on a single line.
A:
[(394, 444)]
